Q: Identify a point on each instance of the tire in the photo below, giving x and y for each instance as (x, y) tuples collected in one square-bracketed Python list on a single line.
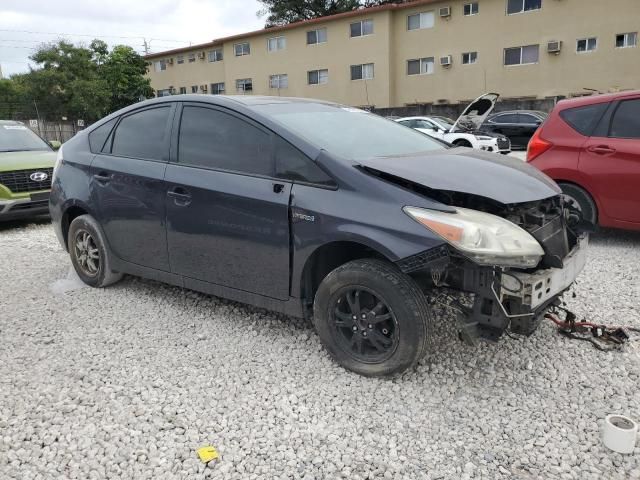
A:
[(462, 143), (404, 336), (581, 200), (89, 253)]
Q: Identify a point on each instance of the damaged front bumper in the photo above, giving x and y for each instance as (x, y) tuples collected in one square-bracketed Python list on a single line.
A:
[(503, 299)]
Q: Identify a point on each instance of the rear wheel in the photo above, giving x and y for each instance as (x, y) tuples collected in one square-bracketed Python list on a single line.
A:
[(372, 318), (582, 201), (89, 254)]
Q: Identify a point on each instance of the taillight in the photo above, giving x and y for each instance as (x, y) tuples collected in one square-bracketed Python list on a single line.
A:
[(537, 146)]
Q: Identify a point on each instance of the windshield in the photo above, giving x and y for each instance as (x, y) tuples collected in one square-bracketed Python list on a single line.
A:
[(443, 122), (349, 132), (18, 138)]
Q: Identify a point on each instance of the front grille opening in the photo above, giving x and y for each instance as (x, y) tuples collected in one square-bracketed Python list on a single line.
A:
[(18, 181)]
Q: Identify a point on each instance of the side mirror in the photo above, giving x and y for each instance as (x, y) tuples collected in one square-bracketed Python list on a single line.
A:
[(55, 144)]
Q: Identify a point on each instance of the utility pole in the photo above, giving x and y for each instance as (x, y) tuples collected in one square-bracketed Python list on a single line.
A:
[(145, 45)]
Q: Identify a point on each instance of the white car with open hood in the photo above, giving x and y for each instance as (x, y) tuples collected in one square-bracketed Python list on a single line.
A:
[(464, 132)]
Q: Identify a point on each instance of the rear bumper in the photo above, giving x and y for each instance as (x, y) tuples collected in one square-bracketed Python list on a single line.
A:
[(24, 207)]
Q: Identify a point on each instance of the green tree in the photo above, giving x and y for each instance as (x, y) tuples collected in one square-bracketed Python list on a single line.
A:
[(282, 12), (76, 82)]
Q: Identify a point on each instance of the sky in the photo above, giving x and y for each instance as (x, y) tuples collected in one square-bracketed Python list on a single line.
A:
[(165, 24)]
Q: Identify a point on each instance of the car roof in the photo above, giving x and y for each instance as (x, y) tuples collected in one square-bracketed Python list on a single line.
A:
[(598, 98), (10, 122), (511, 112)]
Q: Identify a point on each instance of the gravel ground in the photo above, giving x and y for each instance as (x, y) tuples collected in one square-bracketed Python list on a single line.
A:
[(127, 382)]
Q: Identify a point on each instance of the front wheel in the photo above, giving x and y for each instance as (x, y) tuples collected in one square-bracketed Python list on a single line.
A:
[(89, 253), (462, 143), (372, 318)]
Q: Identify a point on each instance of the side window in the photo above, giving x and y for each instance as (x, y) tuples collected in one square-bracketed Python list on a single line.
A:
[(508, 118), (584, 119), (526, 118), (99, 136), (143, 135), (214, 139), (626, 120), (292, 164)]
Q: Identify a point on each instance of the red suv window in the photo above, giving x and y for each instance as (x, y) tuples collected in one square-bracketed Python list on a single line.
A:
[(584, 119)]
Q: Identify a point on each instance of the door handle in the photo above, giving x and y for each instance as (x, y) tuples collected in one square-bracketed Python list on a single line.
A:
[(181, 197), (102, 177), (601, 150)]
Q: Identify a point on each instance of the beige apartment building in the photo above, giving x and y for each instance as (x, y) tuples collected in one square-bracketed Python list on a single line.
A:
[(426, 51)]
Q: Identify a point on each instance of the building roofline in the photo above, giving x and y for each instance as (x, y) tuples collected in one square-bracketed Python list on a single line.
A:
[(354, 13)]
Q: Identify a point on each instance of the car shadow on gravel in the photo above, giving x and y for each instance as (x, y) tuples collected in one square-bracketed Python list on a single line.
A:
[(21, 224), (610, 235)]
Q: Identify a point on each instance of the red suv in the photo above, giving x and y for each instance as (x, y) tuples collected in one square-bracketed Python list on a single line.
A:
[(591, 147)]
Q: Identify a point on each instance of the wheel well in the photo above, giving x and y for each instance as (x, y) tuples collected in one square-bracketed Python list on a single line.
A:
[(462, 142), (68, 216), (326, 259), (577, 185)]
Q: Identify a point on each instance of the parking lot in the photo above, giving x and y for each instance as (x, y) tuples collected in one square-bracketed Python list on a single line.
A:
[(127, 382)]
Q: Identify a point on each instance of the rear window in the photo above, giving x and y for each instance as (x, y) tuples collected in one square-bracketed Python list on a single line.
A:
[(99, 136), (584, 119)]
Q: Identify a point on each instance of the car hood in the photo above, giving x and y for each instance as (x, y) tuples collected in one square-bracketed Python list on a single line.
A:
[(10, 161), (504, 179), (476, 113)]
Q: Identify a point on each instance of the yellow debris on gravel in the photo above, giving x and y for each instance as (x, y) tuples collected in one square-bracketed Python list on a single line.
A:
[(206, 454)]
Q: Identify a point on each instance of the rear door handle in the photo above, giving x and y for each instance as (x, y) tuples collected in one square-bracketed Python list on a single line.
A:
[(601, 150), (102, 177), (181, 197)]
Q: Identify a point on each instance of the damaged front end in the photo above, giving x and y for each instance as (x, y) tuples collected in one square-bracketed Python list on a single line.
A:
[(506, 297)]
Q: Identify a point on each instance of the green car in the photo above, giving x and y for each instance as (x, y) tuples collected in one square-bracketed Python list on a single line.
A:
[(26, 168)]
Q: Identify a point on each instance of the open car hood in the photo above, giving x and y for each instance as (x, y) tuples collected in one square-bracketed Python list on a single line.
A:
[(476, 113), (503, 179)]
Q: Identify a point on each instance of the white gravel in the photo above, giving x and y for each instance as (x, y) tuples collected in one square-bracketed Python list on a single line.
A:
[(129, 381)]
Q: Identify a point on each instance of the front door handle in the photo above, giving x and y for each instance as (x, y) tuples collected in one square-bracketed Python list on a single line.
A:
[(181, 197), (601, 150)]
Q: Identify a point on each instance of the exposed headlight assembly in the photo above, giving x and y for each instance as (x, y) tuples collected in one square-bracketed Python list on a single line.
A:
[(482, 137), (484, 238)]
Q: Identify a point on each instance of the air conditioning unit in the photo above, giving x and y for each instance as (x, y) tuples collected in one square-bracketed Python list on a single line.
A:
[(445, 12), (446, 61), (170, 61), (554, 46), (203, 88), (201, 55)]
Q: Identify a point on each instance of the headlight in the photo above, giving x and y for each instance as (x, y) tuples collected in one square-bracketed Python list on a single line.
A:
[(484, 138), (59, 159), (484, 238)]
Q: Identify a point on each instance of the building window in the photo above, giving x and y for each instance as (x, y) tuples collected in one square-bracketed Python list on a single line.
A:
[(471, 8), (420, 20), (317, 77), (519, 6), (420, 66), (194, 88), (469, 58), (362, 72), (192, 57), (160, 65), (215, 55), (586, 44), (180, 59), (244, 85), (183, 90), (624, 40), (241, 49), (163, 93), (360, 29), (276, 43), (317, 36), (521, 55), (279, 81), (217, 88)]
